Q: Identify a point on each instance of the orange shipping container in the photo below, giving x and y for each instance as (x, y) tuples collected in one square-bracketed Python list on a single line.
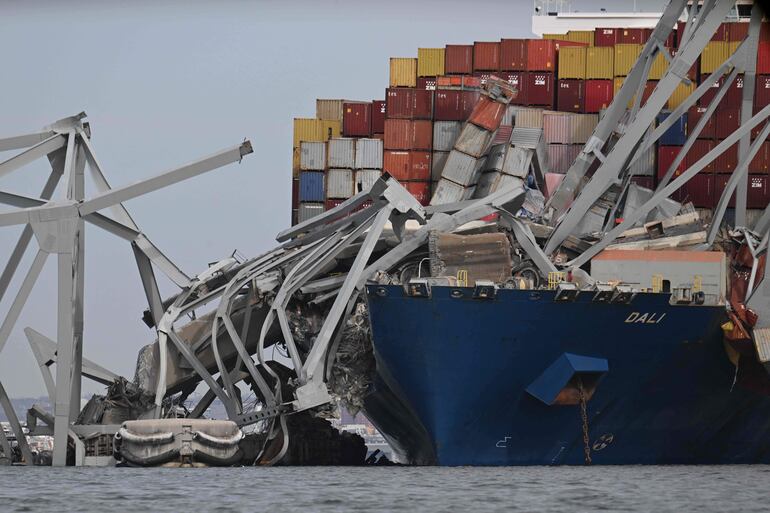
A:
[(541, 55), (407, 166), (405, 134)]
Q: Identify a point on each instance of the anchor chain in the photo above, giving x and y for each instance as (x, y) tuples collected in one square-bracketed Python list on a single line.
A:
[(584, 418)]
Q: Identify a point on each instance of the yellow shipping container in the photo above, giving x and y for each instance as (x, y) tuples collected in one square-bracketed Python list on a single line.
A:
[(599, 62), (328, 109), (572, 62), (713, 55), (430, 62), (311, 129), (330, 128), (625, 58), (403, 72), (562, 37), (658, 68), (616, 85), (680, 94), (581, 36)]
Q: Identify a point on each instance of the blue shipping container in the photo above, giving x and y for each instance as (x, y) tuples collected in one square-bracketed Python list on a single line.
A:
[(676, 134), (311, 186)]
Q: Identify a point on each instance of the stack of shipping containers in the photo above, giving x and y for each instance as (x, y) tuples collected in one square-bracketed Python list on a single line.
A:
[(411, 134)]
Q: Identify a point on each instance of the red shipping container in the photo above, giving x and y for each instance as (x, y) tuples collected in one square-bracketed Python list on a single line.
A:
[(727, 121), (570, 95), (732, 98), (407, 165), (541, 55), (483, 76), (515, 78), (598, 95), (649, 87), (356, 119), (488, 113), (454, 105), (539, 88), (503, 134), (630, 36), (470, 99), (763, 58), (420, 190), (408, 103), (762, 93), (666, 156), (405, 134), (737, 31), (381, 137), (427, 83), (605, 36), (378, 116), (458, 59), (486, 56), (454, 81), (694, 115), (699, 190), (698, 150), (513, 54), (711, 92), (727, 161)]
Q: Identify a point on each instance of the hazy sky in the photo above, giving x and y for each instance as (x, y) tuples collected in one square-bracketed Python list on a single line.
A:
[(164, 83)]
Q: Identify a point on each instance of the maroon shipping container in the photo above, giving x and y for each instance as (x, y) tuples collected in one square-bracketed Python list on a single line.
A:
[(699, 190), (406, 134), (693, 116), (726, 121), (356, 119), (630, 36), (649, 87), (420, 190), (407, 165), (515, 78), (711, 92), (726, 163), (761, 162), (488, 113), (295, 193), (666, 156), (513, 54), (758, 194), (763, 58), (732, 98), (539, 88), (605, 36), (454, 105), (648, 182), (458, 59), (737, 31), (698, 150), (486, 56), (570, 95), (503, 134), (541, 55), (721, 33), (408, 103), (762, 93), (331, 203), (427, 83), (598, 95), (720, 183), (378, 116)]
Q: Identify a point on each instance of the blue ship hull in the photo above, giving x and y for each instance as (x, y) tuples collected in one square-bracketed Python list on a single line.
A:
[(456, 374)]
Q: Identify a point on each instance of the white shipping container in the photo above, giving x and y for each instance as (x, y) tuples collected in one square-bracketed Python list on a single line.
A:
[(645, 164), (517, 161), (368, 154), (528, 118), (473, 140), (461, 168), (447, 191), (312, 156), (437, 163), (445, 134), (561, 156), (309, 210), (496, 157), (365, 179), (339, 183), (492, 182), (342, 153)]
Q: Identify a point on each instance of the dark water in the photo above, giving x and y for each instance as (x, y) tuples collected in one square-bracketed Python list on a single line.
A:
[(464, 489)]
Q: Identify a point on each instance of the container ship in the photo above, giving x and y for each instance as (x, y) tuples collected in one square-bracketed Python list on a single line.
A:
[(498, 369)]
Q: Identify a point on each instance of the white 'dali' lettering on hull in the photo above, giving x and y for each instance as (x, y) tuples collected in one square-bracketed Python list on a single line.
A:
[(645, 318)]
